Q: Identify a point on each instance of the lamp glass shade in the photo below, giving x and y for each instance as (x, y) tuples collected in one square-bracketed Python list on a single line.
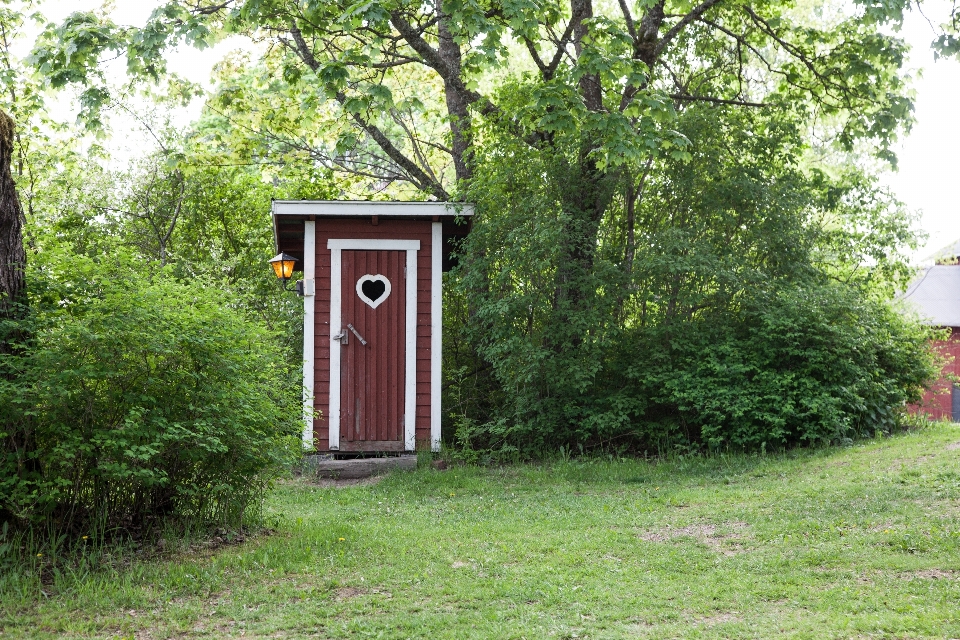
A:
[(283, 265)]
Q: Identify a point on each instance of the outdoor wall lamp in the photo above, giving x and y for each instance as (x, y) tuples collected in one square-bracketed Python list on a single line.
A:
[(282, 265)]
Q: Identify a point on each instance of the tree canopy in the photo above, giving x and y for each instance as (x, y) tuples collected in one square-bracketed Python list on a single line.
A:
[(403, 84), (677, 218)]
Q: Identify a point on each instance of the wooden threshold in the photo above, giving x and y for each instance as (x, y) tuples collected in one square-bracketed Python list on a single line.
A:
[(371, 445)]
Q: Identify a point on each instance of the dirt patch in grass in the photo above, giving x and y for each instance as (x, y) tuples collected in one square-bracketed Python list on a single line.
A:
[(952, 447), (330, 483), (931, 574), (719, 618), (723, 539), (346, 593), (909, 466)]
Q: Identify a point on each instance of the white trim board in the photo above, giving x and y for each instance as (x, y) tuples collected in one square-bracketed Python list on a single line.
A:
[(309, 328), (436, 331), (337, 246), (347, 208), (374, 245)]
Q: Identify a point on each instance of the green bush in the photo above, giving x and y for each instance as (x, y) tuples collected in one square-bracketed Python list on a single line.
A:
[(802, 365), (799, 365), (741, 302), (139, 400)]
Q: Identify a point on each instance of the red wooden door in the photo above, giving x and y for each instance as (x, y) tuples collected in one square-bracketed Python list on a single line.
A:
[(373, 299)]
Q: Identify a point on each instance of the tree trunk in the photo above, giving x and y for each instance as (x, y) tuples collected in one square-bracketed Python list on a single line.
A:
[(13, 257), (584, 195), (18, 442), (457, 107)]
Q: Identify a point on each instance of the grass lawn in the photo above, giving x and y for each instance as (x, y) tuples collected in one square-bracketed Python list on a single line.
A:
[(856, 542)]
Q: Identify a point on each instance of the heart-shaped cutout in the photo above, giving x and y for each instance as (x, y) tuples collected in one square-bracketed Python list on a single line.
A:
[(373, 289)]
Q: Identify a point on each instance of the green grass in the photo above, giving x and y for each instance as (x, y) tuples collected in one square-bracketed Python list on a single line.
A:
[(856, 542)]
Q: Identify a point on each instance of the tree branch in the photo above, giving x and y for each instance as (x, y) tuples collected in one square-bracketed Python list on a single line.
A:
[(561, 49), (431, 58), (629, 20), (740, 103), (536, 56), (695, 14), (417, 175)]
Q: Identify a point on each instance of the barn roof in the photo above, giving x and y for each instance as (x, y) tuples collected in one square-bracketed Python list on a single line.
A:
[(935, 295)]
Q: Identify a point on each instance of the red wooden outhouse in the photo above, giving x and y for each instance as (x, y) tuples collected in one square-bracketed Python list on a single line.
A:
[(372, 285)]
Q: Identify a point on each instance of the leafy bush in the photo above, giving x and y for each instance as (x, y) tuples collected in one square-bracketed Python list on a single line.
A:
[(801, 365), (139, 400), (746, 307)]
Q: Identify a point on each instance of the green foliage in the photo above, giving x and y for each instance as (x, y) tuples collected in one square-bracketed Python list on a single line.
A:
[(139, 400), (799, 365), (815, 544), (746, 309), (661, 257)]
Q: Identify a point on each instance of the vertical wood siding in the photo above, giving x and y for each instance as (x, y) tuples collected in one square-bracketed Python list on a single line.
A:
[(364, 229), (372, 375), (938, 401)]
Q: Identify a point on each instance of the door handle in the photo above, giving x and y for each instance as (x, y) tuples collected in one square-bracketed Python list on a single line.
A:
[(342, 337), (359, 337)]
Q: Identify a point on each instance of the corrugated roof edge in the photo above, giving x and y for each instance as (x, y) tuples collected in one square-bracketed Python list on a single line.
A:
[(363, 208)]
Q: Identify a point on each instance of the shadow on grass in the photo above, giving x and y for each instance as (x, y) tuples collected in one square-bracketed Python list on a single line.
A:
[(688, 469)]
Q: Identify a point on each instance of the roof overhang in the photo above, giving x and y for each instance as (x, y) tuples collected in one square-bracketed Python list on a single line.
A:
[(364, 209), (289, 217)]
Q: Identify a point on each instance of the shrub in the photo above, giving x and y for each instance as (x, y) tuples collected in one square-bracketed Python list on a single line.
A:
[(139, 400), (801, 365), (798, 364), (737, 301)]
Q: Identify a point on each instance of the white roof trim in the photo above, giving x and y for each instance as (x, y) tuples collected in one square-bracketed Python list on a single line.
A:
[(362, 208)]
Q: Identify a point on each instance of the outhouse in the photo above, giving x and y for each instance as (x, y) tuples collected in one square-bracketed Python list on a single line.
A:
[(372, 292)]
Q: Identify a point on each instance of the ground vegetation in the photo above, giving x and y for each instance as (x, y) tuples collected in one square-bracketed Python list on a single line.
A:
[(833, 542)]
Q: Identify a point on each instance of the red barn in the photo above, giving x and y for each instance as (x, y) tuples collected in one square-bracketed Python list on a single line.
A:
[(935, 295), (372, 284)]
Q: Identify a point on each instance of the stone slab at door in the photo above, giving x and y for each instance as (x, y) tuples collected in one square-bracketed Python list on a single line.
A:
[(373, 346), (373, 295)]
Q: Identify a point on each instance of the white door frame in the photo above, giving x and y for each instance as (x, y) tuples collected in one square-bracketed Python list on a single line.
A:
[(337, 246), (436, 330), (309, 305)]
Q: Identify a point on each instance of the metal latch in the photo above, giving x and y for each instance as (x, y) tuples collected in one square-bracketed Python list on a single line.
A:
[(359, 337), (341, 337)]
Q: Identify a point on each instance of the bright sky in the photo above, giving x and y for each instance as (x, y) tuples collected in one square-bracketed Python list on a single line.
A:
[(929, 173)]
